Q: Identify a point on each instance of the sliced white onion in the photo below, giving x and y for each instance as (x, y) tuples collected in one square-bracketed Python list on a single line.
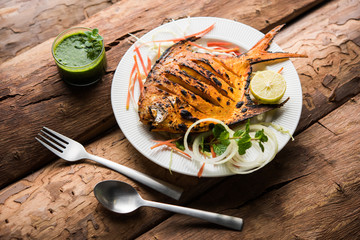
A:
[(197, 156), (244, 164), (253, 160)]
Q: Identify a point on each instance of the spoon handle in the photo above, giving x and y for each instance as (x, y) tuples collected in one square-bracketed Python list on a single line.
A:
[(220, 219), (154, 183)]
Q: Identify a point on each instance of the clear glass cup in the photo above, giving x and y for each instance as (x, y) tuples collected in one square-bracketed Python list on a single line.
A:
[(83, 75)]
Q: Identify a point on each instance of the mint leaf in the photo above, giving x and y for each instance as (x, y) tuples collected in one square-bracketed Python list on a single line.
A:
[(243, 147), (224, 135), (93, 43), (217, 130), (244, 143), (260, 135), (219, 148), (261, 146)]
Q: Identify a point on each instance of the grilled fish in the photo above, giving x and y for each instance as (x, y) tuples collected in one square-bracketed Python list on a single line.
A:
[(184, 86)]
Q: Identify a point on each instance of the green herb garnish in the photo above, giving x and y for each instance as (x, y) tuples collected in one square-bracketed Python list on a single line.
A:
[(180, 145), (93, 43), (221, 139)]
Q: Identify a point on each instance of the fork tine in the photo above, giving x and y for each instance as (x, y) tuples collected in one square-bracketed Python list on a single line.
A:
[(62, 137), (52, 149), (56, 141)]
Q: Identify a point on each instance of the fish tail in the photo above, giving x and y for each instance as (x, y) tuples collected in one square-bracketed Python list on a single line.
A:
[(258, 52)]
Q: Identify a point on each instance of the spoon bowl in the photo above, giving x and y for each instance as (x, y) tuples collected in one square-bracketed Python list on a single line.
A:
[(118, 196), (121, 197)]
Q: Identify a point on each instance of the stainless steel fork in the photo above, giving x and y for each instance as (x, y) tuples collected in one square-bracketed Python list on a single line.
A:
[(70, 150)]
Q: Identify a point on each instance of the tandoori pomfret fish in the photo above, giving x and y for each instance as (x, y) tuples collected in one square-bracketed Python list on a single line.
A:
[(184, 86)]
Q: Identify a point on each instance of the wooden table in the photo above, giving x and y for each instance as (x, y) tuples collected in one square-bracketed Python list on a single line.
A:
[(310, 190)]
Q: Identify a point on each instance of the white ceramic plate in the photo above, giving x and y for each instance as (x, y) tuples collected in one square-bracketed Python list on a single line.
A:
[(242, 35)]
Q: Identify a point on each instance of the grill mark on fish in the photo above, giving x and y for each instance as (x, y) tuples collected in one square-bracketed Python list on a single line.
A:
[(204, 63), (203, 75), (185, 114), (220, 73), (192, 85), (175, 89), (248, 78), (239, 104)]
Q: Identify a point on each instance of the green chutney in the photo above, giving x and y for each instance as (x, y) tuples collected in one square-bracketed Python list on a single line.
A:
[(79, 62)]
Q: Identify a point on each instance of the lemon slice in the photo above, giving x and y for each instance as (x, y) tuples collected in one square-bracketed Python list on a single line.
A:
[(268, 86)]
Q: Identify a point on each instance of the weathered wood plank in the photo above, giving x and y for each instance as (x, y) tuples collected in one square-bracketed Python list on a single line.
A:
[(310, 191), (67, 188), (25, 24), (329, 76), (32, 94)]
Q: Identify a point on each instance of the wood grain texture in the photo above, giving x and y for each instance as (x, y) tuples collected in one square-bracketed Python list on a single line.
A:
[(330, 36), (24, 24), (32, 94), (310, 191)]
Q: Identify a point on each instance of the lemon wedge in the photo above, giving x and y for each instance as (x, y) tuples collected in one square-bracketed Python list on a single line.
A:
[(268, 86)]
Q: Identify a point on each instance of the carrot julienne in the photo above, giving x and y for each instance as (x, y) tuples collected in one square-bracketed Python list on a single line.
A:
[(201, 170), (201, 33), (166, 141), (138, 74), (148, 64), (141, 59), (170, 145), (215, 44), (129, 88), (280, 70), (213, 154), (224, 50), (198, 34)]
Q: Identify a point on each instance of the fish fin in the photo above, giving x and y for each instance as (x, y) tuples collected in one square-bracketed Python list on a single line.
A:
[(258, 52)]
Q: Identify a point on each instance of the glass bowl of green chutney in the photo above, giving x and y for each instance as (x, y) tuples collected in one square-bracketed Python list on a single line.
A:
[(79, 53)]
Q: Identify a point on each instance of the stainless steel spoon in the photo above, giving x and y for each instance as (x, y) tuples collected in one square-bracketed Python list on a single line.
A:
[(120, 197)]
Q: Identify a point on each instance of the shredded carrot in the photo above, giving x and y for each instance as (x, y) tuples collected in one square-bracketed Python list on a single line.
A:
[(148, 64), (163, 143), (138, 74), (141, 59), (225, 50), (201, 33), (201, 170), (216, 44), (166, 141), (213, 154), (170, 144), (129, 88), (198, 34), (280, 70)]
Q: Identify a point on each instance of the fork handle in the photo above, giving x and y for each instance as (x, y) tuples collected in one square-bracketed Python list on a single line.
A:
[(154, 183)]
